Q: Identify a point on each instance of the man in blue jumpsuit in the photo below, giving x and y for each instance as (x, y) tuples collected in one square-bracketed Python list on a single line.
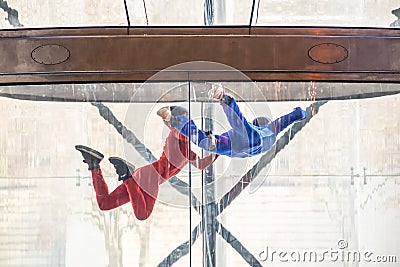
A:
[(245, 139)]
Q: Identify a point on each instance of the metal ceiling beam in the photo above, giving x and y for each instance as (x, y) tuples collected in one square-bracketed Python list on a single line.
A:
[(70, 55)]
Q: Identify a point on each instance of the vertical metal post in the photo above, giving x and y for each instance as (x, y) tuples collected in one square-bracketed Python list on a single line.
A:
[(190, 176), (209, 209), (209, 12), (209, 212)]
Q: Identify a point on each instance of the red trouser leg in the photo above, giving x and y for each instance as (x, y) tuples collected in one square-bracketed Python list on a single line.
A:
[(105, 200), (143, 190)]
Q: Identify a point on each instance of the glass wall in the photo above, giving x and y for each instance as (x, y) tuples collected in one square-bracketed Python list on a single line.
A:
[(327, 189)]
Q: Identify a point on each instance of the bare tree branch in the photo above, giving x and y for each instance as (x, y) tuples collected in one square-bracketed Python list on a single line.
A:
[(12, 14), (237, 245), (132, 139), (227, 199), (182, 249)]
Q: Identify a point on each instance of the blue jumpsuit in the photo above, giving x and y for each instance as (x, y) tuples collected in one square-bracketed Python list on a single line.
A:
[(244, 139)]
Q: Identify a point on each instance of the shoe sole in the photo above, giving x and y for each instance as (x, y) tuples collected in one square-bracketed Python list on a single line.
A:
[(218, 92), (303, 114), (90, 151), (111, 159)]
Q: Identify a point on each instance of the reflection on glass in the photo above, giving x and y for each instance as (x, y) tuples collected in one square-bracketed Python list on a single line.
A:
[(36, 14), (166, 13), (331, 181), (361, 13)]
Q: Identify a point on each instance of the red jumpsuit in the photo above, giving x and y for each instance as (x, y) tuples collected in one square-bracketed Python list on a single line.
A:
[(142, 188)]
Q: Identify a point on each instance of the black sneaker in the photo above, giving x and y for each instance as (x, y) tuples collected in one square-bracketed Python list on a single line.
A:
[(123, 168), (90, 156), (299, 114)]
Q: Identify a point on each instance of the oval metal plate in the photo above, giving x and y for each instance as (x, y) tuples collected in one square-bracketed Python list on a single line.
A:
[(328, 53), (50, 54)]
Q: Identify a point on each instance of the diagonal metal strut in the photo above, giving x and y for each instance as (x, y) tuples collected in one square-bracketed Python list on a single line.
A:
[(227, 199)]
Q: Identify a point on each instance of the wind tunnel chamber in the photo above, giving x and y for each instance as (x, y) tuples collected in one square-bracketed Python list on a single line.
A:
[(330, 183), (96, 73)]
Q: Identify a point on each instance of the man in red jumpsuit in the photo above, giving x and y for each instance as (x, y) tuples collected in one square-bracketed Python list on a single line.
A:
[(140, 186)]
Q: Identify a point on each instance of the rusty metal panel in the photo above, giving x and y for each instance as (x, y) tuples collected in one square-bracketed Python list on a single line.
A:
[(262, 53)]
